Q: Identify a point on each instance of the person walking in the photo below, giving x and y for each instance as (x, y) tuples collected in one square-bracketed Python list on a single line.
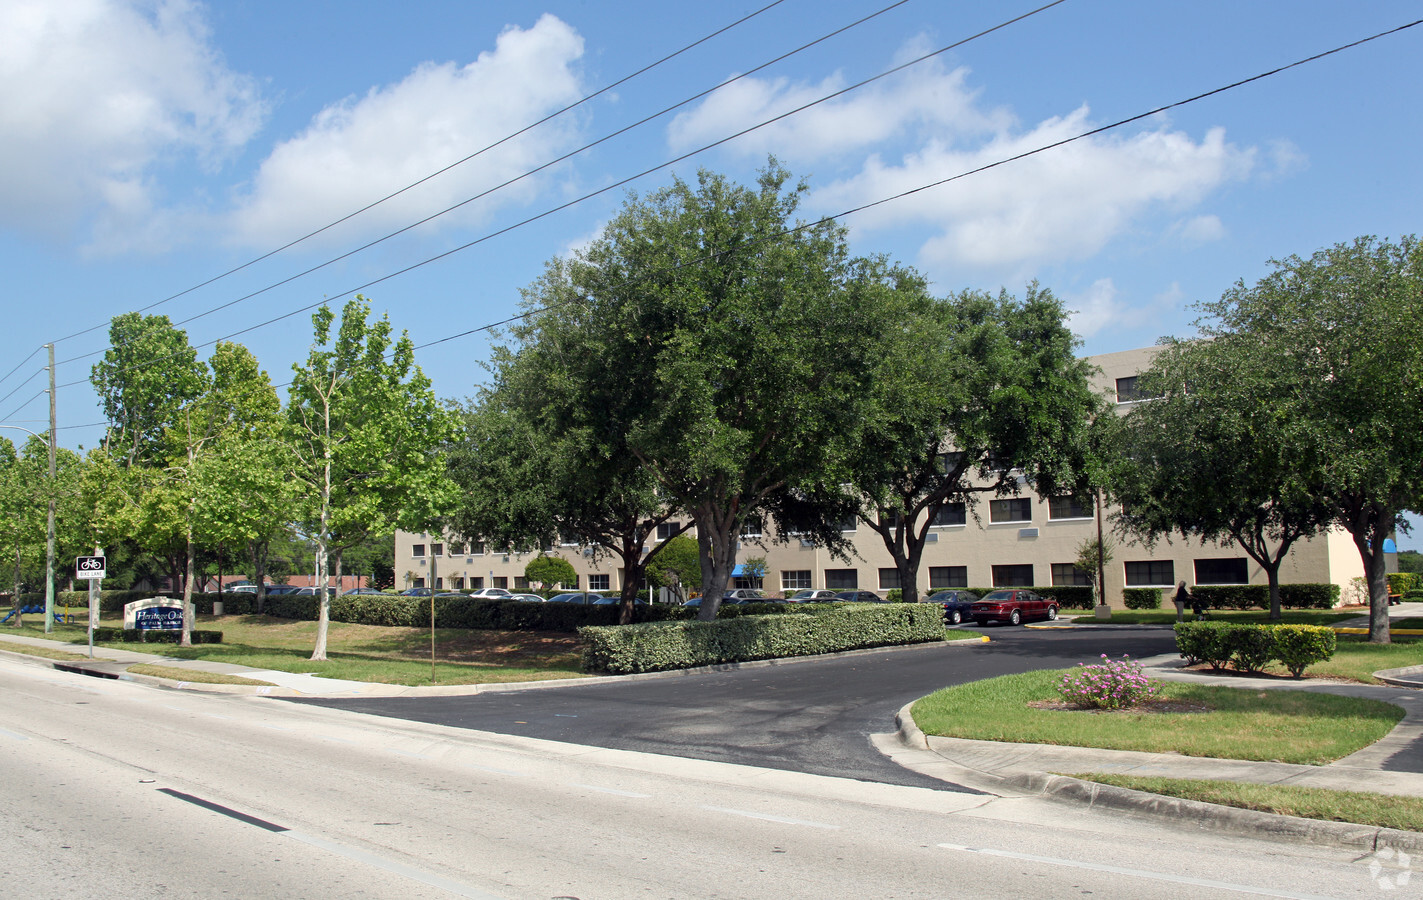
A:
[(1182, 598)]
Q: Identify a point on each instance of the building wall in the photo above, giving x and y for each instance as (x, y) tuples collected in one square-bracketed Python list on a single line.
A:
[(972, 550)]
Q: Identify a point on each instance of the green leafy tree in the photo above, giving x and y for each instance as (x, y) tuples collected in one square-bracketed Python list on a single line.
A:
[(550, 571), (1092, 558), (1207, 460), (1332, 350), (754, 568), (147, 376), (677, 565), (525, 483), (976, 395), (1410, 561), (367, 437), (720, 345)]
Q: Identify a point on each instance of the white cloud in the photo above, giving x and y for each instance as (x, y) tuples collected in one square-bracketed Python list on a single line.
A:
[(97, 93), (926, 96), (1200, 229), (1065, 203), (361, 149), (1101, 309)]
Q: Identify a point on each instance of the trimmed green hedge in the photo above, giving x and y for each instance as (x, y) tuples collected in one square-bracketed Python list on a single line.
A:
[(154, 636), (464, 612), (1249, 648), (1142, 598), (1257, 596), (1403, 582), (113, 601), (653, 647)]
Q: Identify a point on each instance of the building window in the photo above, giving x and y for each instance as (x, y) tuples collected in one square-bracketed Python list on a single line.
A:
[(888, 579), (419, 582), (667, 530), (437, 549), (521, 583), (439, 584), (1069, 508), (477, 549), (1151, 574), (951, 514), (751, 528), (795, 580), (949, 462), (599, 583), (456, 549), (417, 550), (1222, 571), (568, 540), (500, 581), (1064, 574), (476, 582), (1129, 392), (1014, 509), (842, 579), (849, 524), (570, 586), (948, 577), (1012, 576), (458, 582)]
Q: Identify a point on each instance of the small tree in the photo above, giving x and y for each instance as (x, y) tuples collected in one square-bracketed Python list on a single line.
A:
[(550, 571), (1092, 558), (754, 568), (676, 566)]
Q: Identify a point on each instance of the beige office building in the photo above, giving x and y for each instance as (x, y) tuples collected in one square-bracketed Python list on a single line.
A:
[(1002, 542)]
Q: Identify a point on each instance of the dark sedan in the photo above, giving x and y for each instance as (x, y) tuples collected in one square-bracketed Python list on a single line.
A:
[(860, 597), (958, 605), (1014, 607)]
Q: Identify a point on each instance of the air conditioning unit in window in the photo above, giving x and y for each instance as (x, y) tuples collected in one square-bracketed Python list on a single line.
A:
[(806, 543), (588, 552), (506, 559), (422, 562), (1027, 532), (931, 538)]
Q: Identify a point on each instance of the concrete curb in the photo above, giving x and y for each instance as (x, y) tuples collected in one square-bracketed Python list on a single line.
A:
[(1407, 677), (1205, 816)]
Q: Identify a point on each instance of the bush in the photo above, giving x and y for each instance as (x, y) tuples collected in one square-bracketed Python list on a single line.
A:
[(464, 612), (1251, 647), (653, 647), (1233, 596), (1106, 685), (1413, 595), (1403, 582), (1309, 596), (1142, 598), (894, 595), (1300, 646), (154, 636)]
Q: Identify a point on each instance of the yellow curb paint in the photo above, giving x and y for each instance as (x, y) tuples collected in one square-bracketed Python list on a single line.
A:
[(986, 638)]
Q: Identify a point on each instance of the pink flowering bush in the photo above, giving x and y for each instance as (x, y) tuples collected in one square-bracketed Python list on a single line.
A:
[(1112, 684)]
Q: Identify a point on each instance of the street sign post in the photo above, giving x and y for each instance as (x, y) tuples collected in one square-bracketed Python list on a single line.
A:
[(89, 567)]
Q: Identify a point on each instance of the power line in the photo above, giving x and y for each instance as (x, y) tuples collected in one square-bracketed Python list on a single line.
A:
[(614, 185), (527, 174), (455, 164), (17, 367), (921, 188), (17, 387)]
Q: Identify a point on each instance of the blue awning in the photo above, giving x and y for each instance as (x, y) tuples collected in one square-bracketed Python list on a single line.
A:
[(1389, 546), (737, 571)]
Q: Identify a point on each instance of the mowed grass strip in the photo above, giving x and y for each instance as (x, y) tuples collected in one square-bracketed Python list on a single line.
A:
[(174, 673), (45, 652), (1270, 725), (1357, 807), (385, 655)]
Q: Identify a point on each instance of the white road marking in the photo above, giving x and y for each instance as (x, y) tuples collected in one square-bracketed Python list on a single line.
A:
[(496, 771), (767, 818), (1134, 873), (13, 736)]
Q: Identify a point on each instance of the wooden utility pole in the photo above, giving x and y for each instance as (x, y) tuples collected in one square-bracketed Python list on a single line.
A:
[(49, 528)]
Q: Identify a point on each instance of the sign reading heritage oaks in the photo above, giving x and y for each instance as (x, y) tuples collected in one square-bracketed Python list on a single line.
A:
[(153, 614), (89, 567)]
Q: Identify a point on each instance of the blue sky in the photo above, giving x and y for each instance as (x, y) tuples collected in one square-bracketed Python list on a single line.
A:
[(150, 146)]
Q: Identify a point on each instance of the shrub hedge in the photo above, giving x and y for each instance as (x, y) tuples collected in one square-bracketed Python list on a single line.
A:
[(154, 636), (1403, 582), (652, 647), (465, 612), (1249, 648), (113, 601), (1257, 596), (1142, 598)]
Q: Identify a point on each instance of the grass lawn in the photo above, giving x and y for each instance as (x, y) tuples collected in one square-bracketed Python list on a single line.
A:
[(1380, 810), (1284, 726), (1257, 616), (367, 652)]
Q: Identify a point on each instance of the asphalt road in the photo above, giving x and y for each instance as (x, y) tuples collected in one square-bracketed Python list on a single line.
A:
[(805, 715)]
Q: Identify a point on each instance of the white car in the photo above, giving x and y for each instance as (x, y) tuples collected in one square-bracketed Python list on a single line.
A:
[(492, 594)]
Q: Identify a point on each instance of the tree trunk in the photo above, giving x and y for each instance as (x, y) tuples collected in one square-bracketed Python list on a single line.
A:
[(323, 617), (259, 572), (19, 620), (187, 639), (1272, 576), (717, 550)]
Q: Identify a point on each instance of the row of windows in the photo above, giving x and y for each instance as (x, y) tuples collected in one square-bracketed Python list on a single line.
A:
[(476, 582), (477, 549), (1150, 573)]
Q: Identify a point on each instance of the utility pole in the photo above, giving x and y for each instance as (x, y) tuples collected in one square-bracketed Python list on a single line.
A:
[(49, 528)]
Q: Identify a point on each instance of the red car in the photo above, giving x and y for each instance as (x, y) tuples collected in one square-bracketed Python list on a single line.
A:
[(1014, 607)]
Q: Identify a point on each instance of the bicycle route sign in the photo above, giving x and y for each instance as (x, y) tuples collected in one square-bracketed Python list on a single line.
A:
[(91, 567)]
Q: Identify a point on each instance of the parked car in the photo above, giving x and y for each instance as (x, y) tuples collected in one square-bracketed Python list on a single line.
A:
[(813, 596), (418, 592), (747, 595), (1014, 607), (451, 595), (860, 597), (614, 601), (363, 592), (580, 597), (958, 604), (529, 598), (241, 589), (274, 590), (491, 594)]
